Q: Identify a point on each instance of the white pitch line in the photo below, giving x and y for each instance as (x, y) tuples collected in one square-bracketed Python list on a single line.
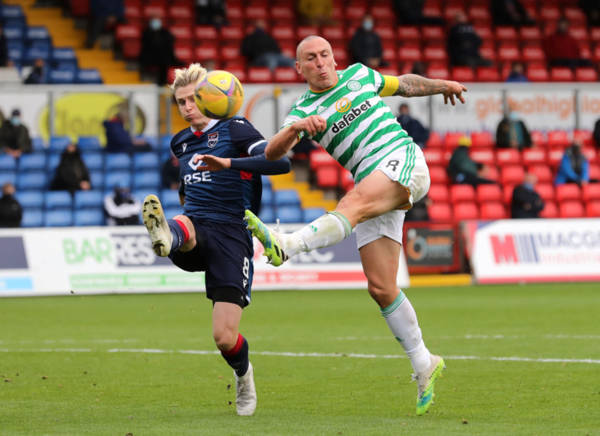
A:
[(295, 354)]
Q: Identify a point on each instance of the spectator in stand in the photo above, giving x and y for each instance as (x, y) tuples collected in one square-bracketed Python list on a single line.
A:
[(419, 68), (121, 209), (410, 12), (591, 8), (170, 173), (413, 127), (11, 211), (157, 51), (365, 45), (596, 134), (526, 202), (512, 132), (262, 50), (562, 50), (37, 74), (463, 44), (463, 169), (104, 14), (118, 139), (315, 12), (71, 174), (419, 210), (510, 13), (14, 136), (517, 73), (211, 12), (4, 60), (574, 167)]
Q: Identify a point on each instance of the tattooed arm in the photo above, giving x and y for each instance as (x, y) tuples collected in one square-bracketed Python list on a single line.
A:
[(413, 85)]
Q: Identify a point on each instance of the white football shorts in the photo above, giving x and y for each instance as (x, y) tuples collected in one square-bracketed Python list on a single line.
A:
[(407, 166)]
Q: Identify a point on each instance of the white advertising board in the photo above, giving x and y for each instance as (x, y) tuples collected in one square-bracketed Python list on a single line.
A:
[(90, 260), (544, 250)]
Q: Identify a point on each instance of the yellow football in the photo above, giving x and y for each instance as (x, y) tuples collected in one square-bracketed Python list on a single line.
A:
[(219, 95)]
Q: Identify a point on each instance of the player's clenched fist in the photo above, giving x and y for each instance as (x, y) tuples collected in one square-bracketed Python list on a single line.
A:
[(311, 125)]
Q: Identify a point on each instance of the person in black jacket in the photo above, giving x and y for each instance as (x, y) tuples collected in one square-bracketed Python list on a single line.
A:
[(72, 173), (170, 173), (4, 60), (14, 136), (509, 13), (526, 203), (157, 52), (463, 44), (413, 127), (261, 49), (365, 45), (11, 211), (512, 132), (121, 208), (463, 169)]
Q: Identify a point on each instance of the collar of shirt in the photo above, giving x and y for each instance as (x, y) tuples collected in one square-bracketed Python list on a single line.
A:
[(209, 126)]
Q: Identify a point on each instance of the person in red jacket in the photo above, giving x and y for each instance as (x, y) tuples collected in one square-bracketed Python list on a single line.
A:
[(562, 50)]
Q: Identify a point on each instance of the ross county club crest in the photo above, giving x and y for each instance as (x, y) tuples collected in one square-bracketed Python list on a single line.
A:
[(353, 85), (213, 138)]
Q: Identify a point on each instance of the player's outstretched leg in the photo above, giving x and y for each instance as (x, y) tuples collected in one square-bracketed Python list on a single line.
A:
[(270, 239), (156, 223), (245, 392), (426, 383)]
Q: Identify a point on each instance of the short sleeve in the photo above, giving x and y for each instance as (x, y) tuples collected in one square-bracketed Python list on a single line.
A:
[(244, 135)]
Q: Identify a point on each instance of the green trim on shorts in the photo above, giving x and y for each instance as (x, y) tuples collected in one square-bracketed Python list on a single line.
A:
[(409, 165), (387, 311)]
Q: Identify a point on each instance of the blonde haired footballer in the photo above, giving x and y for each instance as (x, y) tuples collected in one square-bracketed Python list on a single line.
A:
[(344, 112)]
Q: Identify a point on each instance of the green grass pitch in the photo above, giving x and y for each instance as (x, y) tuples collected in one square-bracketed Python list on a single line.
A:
[(144, 364)]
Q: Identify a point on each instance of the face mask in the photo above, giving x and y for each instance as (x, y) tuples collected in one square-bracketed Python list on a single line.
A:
[(155, 23), (514, 116), (15, 121), (368, 25)]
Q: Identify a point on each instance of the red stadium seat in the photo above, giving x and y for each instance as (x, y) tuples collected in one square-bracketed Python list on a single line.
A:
[(542, 172), (440, 212), (466, 211), (485, 193), (483, 155), (435, 54), (592, 209), (594, 171), (304, 31), (482, 140), (438, 193), (257, 12), (512, 174), (492, 173), (575, 16), (463, 74), (539, 138), (333, 33), (133, 13), (80, 8), (571, 209), (185, 53), (128, 31), (533, 54), (435, 156), (492, 210), (282, 33), (181, 13), (561, 74), (203, 33), (567, 192), (347, 181), (590, 192), (320, 158), (555, 155), (154, 10), (460, 193), (488, 74), (230, 52), (537, 73), (131, 48), (260, 75), (558, 138), (530, 34), (282, 12), (437, 72), (355, 11), (508, 156), (549, 13), (408, 33), (433, 33), (584, 136), (451, 139), (509, 53), (438, 174), (182, 33), (409, 53), (506, 33), (231, 33), (550, 210), (285, 75), (507, 191), (207, 51), (545, 190), (479, 14), (586, 74), (533, 156), (328, 177), (434, 140), (484, 32), (386, 33), (590, 153)]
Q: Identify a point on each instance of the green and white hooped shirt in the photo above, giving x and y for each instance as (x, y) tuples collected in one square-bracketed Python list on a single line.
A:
[(361, 128)]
